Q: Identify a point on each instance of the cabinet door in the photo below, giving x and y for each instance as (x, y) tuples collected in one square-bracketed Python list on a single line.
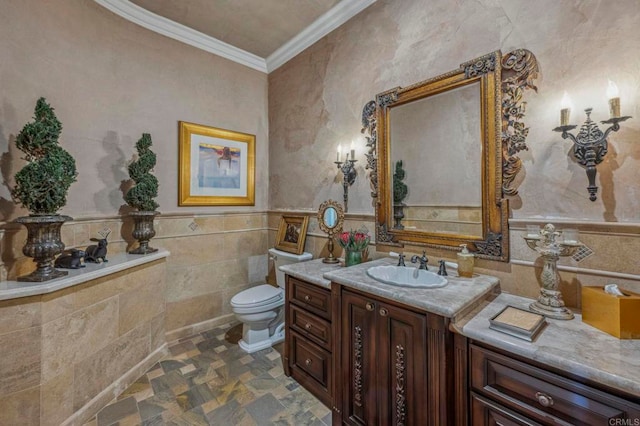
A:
[(402, 366), (358, 368)]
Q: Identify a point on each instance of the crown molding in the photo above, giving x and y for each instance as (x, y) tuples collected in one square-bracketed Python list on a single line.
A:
[(329, 21), (182, 33)]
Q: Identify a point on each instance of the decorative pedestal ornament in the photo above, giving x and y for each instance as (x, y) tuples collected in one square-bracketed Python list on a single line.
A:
[(43, 244), (352, 257), (143, 231), (547, 243)]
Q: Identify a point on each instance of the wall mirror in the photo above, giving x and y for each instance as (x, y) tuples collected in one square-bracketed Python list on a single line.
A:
[(457, 137), (330, 220)]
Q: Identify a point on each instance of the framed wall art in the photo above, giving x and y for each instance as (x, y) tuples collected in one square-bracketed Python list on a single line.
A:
[(292, 233), (216, 167)]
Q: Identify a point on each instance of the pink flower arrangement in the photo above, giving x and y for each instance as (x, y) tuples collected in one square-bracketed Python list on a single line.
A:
[(354, 240)]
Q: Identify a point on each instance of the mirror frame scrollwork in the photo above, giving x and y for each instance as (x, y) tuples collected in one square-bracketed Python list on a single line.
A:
[(503, 81)]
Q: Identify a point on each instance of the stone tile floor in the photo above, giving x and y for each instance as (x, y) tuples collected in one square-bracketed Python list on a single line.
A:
[(209, 380)]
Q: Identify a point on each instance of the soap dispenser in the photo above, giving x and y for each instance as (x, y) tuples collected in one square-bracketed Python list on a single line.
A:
[(465, 262)]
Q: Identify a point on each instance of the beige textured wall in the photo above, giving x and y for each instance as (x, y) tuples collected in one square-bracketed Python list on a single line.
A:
[(316, 99), (109, 81)]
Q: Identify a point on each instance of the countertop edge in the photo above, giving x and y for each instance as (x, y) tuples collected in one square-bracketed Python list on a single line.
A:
[(541, 352)]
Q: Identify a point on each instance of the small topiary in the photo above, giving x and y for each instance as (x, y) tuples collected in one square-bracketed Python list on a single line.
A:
[(399, 188), (141, 195), (42, 185)]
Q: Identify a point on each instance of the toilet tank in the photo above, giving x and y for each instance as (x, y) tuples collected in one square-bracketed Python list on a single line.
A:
[(283, 258)]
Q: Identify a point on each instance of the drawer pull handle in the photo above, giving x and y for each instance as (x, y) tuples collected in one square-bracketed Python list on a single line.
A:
[(544, 399), (307, 362), (307, 326), (307, 298), (369, 306), (384, 312)]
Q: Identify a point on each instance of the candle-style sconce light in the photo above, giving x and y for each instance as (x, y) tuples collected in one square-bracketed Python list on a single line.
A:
[(590, 144), (348, 172)]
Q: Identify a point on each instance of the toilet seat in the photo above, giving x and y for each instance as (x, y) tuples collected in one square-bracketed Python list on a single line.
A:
[(258, 296)]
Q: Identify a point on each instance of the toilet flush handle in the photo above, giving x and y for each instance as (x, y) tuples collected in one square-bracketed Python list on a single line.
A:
[(273, 257)]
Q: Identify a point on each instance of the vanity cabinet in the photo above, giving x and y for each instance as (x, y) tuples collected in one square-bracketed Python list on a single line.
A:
[(509, 391), (394, 363), (308, 352)]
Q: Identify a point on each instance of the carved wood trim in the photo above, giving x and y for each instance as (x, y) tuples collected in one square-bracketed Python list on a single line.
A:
[(357, 366), (519, 71), (401, 399)]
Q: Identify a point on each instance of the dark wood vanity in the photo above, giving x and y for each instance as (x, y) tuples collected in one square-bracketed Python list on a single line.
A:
[(377, 361), (508, 390), (395, 363), (370, 359), (308, 350)]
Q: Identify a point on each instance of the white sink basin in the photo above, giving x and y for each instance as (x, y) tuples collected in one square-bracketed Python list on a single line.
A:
[(406, 277)]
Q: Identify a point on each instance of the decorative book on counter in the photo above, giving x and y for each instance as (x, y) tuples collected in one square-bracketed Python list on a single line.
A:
[(518, 322)]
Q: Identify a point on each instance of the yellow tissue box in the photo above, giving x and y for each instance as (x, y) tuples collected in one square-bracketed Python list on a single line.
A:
[(616, 315)]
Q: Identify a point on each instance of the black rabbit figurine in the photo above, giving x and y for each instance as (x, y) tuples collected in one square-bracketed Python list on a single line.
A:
[(97, 253), (70, 259)]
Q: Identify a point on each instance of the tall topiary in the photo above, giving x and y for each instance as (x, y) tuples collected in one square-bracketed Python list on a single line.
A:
[(42, 185), (141, 195), (399, 188)]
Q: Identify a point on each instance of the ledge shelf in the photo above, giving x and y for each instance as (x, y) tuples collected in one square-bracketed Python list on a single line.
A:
[(118, 262)]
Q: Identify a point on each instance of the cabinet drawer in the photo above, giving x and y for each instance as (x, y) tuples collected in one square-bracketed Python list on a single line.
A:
[(487, 413), (311, 359), (541, 395), (311, 326), (311, 297)]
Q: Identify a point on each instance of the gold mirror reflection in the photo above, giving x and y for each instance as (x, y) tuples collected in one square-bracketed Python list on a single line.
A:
[(439, 141)]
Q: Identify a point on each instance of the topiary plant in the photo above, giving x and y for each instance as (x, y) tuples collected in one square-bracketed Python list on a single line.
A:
[(42, 185), (141, 195), (399, 188)]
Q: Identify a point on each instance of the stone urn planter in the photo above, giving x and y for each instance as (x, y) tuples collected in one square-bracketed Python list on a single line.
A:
[(141, 196), (41, 187), (143, 231), (43, 245)]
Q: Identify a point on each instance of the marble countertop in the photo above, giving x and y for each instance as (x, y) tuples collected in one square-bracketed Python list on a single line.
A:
[(571, 346), (91, 271), (456, 298), (311, 271)]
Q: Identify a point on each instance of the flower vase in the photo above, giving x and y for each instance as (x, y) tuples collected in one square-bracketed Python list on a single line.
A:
[(352, 257)]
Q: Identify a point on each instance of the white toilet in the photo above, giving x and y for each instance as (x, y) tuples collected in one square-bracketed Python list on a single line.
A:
[(260, 308)]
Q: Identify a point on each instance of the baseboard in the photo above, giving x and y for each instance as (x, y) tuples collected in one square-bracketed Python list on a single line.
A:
[(192, 329), (112, 391)]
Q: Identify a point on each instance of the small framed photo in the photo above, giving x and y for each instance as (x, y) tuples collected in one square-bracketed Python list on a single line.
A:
[(292, 233), (217, 167)]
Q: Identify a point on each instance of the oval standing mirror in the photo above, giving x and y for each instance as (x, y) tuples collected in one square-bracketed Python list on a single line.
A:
[(443, 154), (330, 217), (330, 220)]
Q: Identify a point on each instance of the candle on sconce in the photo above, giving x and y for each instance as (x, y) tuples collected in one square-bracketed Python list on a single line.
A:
[(338, 153), (353, 151), (614, 100), (565, 111)]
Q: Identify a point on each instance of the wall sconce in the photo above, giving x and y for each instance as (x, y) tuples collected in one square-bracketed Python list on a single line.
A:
[(348, 172), (590, 145)]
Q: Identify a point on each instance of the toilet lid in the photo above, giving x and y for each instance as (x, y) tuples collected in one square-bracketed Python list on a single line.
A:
[(258, 295)]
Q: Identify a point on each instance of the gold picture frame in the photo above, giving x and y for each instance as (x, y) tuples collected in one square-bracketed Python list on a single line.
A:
[(292, 234), (216, 166)]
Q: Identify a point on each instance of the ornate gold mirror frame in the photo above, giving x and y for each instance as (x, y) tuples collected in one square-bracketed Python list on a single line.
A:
[(502, 82), (330, 220)]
